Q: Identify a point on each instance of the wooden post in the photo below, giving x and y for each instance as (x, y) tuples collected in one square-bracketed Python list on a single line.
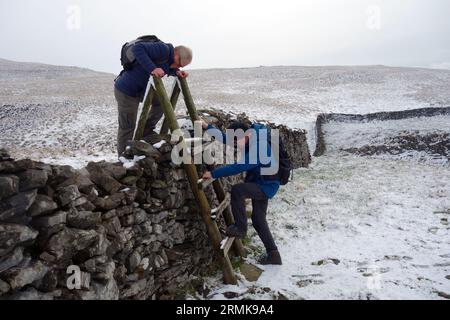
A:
[(188, 100), (144, 114), (192, 174), (173, 100)]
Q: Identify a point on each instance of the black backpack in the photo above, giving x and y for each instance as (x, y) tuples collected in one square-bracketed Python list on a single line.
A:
[(285, 170), (127, 57)]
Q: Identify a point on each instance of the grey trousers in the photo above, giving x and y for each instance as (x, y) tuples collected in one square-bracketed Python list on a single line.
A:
[(128, 110), (239, 193)]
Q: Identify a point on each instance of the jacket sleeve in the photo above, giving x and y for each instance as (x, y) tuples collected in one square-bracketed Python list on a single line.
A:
[(231, 170), (147, 53)]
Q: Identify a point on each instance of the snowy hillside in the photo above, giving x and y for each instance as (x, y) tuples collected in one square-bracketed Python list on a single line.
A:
[(296, 95), (65, 113)]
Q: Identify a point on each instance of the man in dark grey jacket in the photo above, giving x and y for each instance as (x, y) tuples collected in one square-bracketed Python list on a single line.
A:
[(152, 59)]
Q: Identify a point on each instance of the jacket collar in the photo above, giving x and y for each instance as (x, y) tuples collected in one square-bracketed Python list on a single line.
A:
[(171, 54)]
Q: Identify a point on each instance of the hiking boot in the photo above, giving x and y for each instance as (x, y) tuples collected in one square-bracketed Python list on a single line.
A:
[(234, 232), (272, 257)]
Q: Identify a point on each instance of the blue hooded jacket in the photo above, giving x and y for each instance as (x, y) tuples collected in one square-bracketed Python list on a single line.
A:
[(269, 187), (149, 56)]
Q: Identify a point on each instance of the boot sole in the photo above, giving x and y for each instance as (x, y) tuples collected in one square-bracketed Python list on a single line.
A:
[(271, 264), (235, 236)]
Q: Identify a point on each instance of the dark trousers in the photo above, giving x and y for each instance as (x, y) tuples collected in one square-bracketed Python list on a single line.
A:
[(128, 111), (239, 193)]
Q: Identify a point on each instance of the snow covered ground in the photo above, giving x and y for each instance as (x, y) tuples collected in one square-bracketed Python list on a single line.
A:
[(348, 227), (385, 221), (353, 227)]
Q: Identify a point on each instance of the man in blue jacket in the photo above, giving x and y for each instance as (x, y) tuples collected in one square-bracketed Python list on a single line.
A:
[(152, 58), (257, 187)]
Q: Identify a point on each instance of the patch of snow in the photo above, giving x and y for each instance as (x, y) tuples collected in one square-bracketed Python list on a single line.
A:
[(223, 243), (185, 124), (129, 163), (77, 160), (159, 144), (442, 65)]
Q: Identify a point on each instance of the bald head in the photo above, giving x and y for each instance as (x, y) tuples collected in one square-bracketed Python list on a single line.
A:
[(185, 55)]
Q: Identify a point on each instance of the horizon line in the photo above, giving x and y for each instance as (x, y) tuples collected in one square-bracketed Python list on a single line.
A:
[(244, 67)]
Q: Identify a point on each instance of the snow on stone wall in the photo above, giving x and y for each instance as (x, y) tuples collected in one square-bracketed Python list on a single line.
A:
[(421, 133)]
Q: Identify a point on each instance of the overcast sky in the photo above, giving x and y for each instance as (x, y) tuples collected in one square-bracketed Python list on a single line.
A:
[(230, 33)]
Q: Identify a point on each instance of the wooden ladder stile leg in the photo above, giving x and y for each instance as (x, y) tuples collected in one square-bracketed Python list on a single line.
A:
[(226, 245), (188, 100), (217, 185), (173, 100), (144, 113), (192, 175)]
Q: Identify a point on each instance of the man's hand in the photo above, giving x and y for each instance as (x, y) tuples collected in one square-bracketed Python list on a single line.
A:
[(158, 72), (207, 175), (182, 74), (204, 124)]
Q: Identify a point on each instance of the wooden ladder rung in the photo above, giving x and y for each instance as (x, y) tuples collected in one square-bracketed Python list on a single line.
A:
[(193, 140), (217, 212), (226, 245), (203, 184)]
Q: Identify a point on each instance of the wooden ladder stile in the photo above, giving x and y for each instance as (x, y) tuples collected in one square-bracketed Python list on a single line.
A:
[(222, 246), (217, 185)]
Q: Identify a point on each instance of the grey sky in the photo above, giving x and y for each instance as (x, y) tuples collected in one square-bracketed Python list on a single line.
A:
[(231, 33)]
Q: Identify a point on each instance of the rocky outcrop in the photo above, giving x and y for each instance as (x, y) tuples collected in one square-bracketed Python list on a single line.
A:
[(125, 230)]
